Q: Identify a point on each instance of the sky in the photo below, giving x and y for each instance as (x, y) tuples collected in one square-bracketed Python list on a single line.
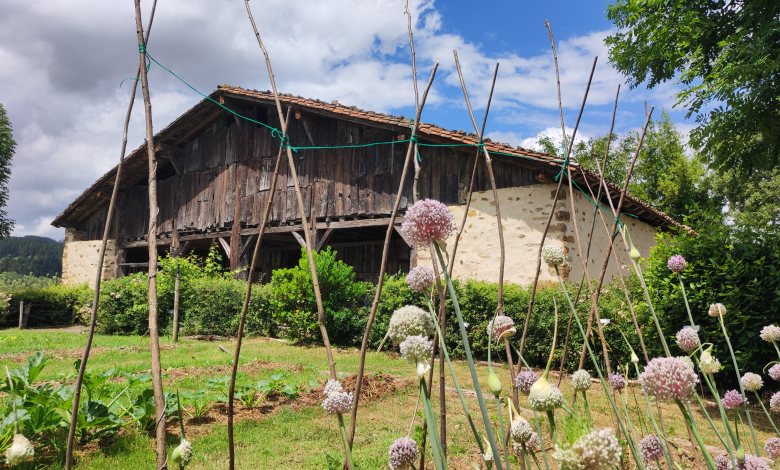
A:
[(64, 66)]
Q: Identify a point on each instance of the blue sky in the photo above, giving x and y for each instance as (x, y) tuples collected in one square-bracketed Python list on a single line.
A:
[(62, 62)]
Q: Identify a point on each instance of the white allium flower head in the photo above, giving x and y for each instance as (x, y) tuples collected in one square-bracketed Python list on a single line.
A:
[(21, 451), (553, 255), (544, 396), (752, 382), (332, 386), (771, 333), (716, 310), (521, 430), (337, 403), (502, 326), (597, 450), (774, 372), (409, 320), (708, 364), (417, 349), (688, 339), (581, 380), (403, 454), (668, 378), (420, 278)]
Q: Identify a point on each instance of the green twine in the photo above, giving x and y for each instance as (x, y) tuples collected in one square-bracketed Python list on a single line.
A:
[(142, 48)]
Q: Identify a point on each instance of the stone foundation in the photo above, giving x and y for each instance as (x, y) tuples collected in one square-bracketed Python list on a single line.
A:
[(80, 259)]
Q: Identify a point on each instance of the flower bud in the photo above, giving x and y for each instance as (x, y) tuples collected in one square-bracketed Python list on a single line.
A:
[(634, 357), (494, 383), (740, 454), (182, 454), (422, 369), (544, 396), (21, 451), (707, 363), (634, 253)]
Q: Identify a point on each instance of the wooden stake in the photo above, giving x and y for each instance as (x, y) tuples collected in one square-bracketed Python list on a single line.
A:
[(154, 337), (101, 257), (21, 314)]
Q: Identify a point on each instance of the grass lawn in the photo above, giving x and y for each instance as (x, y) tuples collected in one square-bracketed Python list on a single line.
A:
[(292, 433)]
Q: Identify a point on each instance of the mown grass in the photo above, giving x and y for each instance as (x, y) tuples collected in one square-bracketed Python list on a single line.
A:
[(291, 435)]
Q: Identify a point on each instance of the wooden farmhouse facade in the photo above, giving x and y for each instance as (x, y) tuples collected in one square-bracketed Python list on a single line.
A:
[(214, 177)]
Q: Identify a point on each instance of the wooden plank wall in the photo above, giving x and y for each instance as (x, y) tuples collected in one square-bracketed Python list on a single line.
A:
[(336, 183)]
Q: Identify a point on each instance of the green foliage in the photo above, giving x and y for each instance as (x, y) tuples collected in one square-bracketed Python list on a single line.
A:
[(11, 282), (344, 300), (50, 305), (7, 148), (39, 256), (735, 267), (124, 306), (213, 306)]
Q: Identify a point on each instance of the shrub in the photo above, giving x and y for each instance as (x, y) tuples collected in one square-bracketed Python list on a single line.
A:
[(53, 305), (213, 306), (124, 307)]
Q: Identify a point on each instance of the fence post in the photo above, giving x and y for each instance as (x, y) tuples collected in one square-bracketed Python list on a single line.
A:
[(21, 314)]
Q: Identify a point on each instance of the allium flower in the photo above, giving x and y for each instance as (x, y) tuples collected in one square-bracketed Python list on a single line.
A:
[(752, 382), (668, 378), (723, 462), (21, 451), (182, 454), (716, 310), (580, 380), (420, 278), (676, 263), (651, 447), (772, 448), (403, 453), (533, 444), (409, 321), (501, 327), (598, 450), (553, 255), (416, 349), (332, 386), (524, 380), (544, 396), (774, 372), (770, 333), (425, 221), (617, 381), (707, 363), (520, 430), (337, 403), (688, 339), (774, 403), (733, 399)]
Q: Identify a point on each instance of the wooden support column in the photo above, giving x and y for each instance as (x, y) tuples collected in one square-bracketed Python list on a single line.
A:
[(239, 184)]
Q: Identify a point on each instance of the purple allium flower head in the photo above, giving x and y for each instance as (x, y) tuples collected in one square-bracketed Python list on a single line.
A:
[(651, 447), (774, 403), (337, 403), (416, 349), (403, 453), (524, 380), (772, 448), (500, 327), (581, 380), (733, 399), (752, 382), (774, 372), (533, 444), (425, 221), (716, 310), (770, 333), (676, 263), (332, 386), (723, 462), (420, 278), (688, 339), (617, 381), (668, 378)]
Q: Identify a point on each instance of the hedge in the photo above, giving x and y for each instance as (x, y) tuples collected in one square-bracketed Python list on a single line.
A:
[(54, 305)]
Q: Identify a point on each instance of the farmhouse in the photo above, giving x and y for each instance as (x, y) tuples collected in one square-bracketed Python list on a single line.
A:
[(214, 176)]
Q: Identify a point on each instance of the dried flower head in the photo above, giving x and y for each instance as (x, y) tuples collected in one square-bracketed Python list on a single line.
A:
[(676, 263), (337, 403), (425, 221), (651, 447), (403, 453), (774, 372), (772, 448), (752, 382), (553, 255), (581, 380), (499, 328), (617, 381), (716, 310), (668, 378), (733, 400), (409, 321), (182, 454), (332, 386), (598, 450), (524, 380), (544, 396), (416, 349), (688, 339), (521, 430), (21, 451), (420, 278), (774, 403), (751, 462), (770, 333)]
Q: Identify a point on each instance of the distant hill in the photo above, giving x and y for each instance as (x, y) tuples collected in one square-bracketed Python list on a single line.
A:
[(39, 256)]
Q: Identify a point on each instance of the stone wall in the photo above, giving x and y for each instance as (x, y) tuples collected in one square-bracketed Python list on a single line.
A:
[(80, 259), (524, 212)]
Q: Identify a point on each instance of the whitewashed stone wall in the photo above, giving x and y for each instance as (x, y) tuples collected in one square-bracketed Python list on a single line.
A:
[(80, 259)]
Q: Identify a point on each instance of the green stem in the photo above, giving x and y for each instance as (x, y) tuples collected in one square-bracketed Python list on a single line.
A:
[(695, 431), (501, 431), (551, 419), (540, 435), (739, 381), (587, 409), (723, 416), (646, 292), (439, 459), (685, 298), (774, 343), (631, 430), (345, 439), (467, 349), (768, 416)]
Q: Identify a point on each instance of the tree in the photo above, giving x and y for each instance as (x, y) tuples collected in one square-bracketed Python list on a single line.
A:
[(724, 54), (7, 147)]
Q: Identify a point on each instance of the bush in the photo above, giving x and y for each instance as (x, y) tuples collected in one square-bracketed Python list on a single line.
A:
[(53, 305), (213, 306), (344, 300), (124, 306)]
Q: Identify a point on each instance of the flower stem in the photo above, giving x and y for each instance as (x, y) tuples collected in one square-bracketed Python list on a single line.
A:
[(542, 445), (685, 298), (768, 416), (587, 408), (692, 426), (345, 439), (501, 431), (646, 292)]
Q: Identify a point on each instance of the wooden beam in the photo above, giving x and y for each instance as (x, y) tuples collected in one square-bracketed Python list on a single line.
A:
[(299, 239), (225, 245), (324, 238), (308, 131), (246, 245), (397, 228)]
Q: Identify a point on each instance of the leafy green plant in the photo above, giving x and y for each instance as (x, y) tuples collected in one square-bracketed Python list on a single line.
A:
[(198, 403)]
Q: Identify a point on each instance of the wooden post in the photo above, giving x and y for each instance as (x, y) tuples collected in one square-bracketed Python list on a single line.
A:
[(21, 314), (175, 252)]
